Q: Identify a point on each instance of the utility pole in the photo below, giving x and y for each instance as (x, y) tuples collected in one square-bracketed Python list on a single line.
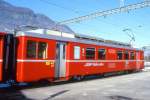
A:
[(121, 3)]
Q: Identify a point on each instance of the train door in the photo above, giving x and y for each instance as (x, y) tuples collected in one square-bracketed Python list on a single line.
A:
[(138, 60), (60, 68), (8, 69)]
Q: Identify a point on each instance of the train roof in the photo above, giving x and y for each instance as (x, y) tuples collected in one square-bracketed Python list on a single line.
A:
[(94, 38), (81, 38)]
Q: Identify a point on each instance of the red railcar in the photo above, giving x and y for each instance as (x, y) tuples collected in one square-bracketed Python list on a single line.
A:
[(53, 56)]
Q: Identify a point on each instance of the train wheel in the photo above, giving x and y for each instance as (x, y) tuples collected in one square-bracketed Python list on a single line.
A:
[(78, 78)]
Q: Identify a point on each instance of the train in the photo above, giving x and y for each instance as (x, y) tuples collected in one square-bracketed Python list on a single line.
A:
[(41, 54)]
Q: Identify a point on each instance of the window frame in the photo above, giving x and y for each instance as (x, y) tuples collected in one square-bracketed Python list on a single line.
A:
[(132, 52), (93, 53), (120, 52), (77, 52), (104, 54), (27, 50), (126, 52), (37, 50), (46, 50)]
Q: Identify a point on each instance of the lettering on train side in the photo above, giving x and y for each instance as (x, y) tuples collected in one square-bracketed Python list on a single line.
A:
[(93, 64)]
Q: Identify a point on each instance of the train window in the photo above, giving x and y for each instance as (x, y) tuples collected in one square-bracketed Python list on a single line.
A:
[(31, 49), (101, 54), (132, 55), (76, 52), (119, 55), (90, 53), (126, 55), (42, 50)]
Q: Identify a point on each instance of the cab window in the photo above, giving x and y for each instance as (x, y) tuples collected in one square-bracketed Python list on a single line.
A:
[(31, 49), (42, 50), (36, 49)]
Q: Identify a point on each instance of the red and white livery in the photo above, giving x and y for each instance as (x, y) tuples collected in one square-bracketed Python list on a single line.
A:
[(51, 55)]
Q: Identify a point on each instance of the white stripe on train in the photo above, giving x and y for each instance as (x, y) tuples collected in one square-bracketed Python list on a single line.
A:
[(22, 60), (102, 60)]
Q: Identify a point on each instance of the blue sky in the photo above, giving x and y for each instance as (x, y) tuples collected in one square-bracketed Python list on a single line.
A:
[(108, 28)]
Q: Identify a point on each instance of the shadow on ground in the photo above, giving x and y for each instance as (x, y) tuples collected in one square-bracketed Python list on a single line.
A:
[(12, 94), (117, 97)]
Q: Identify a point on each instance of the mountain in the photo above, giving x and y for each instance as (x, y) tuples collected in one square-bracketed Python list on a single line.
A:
[(12, 16)]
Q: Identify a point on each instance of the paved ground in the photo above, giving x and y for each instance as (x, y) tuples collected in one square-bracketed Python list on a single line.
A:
[(134, 86)]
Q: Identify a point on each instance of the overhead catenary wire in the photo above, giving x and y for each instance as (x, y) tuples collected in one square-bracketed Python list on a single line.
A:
[(60, 6), (107, 12)]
